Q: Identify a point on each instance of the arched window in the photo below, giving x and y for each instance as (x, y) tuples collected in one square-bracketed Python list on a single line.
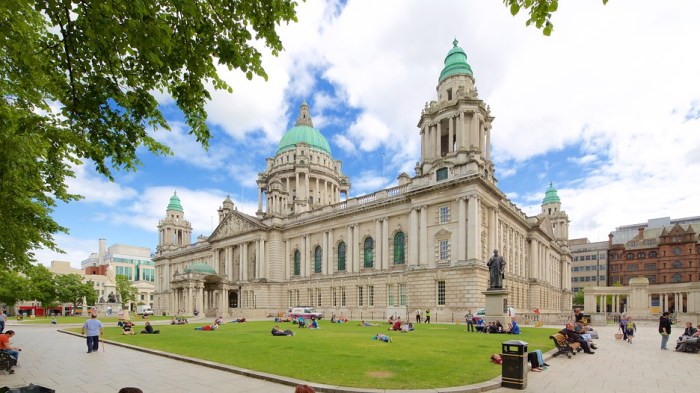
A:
[(318, 254), (677, 265), (676, 277), (630, 255), (369, 253), (341, 256), (653, 254), (677, 251), (399, 249), (641, 255), (297, 263)]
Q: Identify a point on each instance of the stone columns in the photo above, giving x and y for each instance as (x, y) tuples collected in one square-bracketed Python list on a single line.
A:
[(461, 240), (260, 199), (307, 254), (413, 237), (349, 261), (460, 131), (487, 147), (450, 134), (378, 244), (385, 243), (287, 267), (329, 254), (356, 247), (473, 232), (423, 246), (438, 131)]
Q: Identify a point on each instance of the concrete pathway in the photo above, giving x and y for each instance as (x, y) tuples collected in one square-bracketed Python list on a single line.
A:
[(57, 360)]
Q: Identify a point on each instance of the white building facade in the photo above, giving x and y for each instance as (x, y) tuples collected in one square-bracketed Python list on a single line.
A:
[(420, 245)]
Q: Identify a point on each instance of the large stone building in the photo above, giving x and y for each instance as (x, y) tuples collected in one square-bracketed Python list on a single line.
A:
[(422, 244)]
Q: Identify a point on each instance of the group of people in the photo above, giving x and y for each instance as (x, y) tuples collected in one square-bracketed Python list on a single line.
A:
[(689, 341), (311, 324), (427, 315), (628, 328), (340, 319), (397, 325), (496, 327)]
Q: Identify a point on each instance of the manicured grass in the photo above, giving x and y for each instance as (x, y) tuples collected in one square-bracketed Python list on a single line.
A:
[(60, 320), (344, 354)]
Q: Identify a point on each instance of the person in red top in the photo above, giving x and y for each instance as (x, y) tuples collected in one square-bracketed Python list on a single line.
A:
[(6, 347)]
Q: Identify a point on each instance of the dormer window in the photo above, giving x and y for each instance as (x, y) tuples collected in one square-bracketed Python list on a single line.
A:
[(441, 174)]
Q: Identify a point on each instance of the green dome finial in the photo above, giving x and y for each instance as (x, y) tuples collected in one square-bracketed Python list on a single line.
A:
[(550, 196), (304, 131), (175, 203), (455, 63)]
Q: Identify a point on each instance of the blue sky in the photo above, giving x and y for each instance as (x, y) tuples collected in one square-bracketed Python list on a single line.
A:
[(607, 109)]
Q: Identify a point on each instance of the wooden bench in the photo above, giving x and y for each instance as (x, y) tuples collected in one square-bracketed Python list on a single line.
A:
[(564, 346)]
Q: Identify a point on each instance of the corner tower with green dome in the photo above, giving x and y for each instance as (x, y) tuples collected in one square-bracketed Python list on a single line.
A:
[(551, 208), (455, 129), (302, 175), (173, 231)]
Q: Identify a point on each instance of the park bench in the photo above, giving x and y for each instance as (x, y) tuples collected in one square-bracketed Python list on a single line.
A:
[(564, 346)]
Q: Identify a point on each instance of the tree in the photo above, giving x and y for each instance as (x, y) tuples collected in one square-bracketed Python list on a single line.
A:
[(70, 288), (79, 80), (42, 287), (13, 288), (578, 297), (126, 292), (540, 12)]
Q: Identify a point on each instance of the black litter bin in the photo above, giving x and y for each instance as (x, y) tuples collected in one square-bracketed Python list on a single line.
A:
[(514, 372)]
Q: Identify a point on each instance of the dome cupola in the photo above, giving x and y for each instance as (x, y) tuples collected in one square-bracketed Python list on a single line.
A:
[(455, 63), (304, 131)]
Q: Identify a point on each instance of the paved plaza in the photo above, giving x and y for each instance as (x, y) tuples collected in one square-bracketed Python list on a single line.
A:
[(57, 360)]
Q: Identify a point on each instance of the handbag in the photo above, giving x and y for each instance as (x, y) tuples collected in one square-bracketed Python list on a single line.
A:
[(618, 336)]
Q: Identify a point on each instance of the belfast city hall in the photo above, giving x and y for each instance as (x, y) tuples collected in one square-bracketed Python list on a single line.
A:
[(422, 244)]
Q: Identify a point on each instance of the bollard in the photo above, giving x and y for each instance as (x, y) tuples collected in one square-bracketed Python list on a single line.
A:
[(514, 369)]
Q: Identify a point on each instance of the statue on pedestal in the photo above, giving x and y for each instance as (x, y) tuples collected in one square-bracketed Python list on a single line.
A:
[(111, 298), (496, 266)]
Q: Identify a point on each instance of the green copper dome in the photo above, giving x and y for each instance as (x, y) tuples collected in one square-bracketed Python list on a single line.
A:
[(550, 196), (455, 63), (201, 268), (175, 203), (304, 131)]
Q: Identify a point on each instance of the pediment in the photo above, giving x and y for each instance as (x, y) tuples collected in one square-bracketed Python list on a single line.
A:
[(234, 224), (545, 225)]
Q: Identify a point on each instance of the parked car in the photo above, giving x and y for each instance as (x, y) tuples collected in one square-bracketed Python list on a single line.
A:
[(510, 312), (306, 312)]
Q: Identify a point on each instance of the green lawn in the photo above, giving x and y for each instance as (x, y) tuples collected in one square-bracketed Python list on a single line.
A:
[(344, 354)]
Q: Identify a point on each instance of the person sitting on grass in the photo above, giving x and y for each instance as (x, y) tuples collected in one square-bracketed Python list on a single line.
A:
[(276, 331), (314, 323), (341, 319), (480, 327), (382, 337), (211, 327), (127, 328), (407, 328), (219, 320), (148, 329), (514, 328), (301, 322), (397, 325), (391, 320)]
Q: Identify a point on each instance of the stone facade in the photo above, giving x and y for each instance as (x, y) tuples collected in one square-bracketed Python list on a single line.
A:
[(422, 244)]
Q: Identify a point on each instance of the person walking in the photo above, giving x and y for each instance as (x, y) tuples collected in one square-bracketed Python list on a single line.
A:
[(623, 326), (427, 315), (470, 321), (664, 329), (630, 329), (3, 318), (93, 330)]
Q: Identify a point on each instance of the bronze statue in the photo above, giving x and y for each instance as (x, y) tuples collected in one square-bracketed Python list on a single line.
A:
[(496, 265)]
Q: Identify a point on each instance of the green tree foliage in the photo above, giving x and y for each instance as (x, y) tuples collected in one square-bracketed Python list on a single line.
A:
[(578, 297), (125, 290), (70, 288), (41, 286), (79, 80), (540, 12), (13, 288)]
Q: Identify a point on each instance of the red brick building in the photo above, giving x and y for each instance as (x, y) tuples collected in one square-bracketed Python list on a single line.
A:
[(663, 255)]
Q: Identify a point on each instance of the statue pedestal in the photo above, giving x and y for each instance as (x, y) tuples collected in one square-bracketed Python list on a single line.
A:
[(496, 305)]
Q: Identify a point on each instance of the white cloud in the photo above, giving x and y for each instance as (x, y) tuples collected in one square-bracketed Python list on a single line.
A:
[(76, 249), (97, 188)]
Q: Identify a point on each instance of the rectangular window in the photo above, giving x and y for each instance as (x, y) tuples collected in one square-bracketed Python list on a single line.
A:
[(444, 214), (290, 299), (444, 250), (633, 267), (593, 257), (370, 295), (602, 278), (650, 266), (403, 296), (575, 279), (359, 297), (310, 296), (588, 268), (441, 174), (440, 293), (390, 295), (318, 297), (651, 278), (142, 297), (575, 268), (334, 295), (342, 297)]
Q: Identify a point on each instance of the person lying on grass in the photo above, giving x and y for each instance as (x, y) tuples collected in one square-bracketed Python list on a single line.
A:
[(382, 337), (211, 327), (367, 324)]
